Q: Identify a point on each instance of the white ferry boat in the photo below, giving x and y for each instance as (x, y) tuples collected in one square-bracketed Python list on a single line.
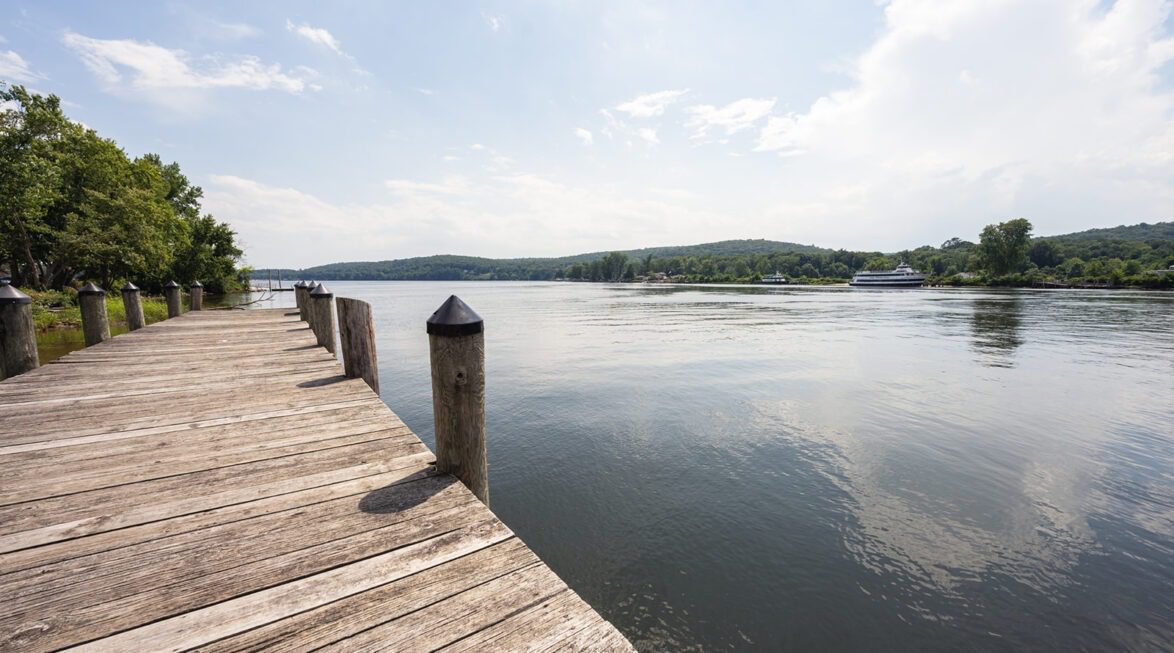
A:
[(902, 277), (775, 278)]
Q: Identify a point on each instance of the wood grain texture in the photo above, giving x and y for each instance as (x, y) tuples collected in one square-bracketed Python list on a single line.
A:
[(302, 296), (216, 482), (132, 303), (174, 303), (95, 324), (458, 408), (322, 321), (356, 333), (197, 298), (18, 340)]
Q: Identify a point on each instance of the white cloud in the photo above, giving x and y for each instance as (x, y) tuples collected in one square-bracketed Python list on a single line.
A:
[(734, 117), (648, 135), (584, 135), (476, 146), (14, 68), (650, 104), (157, 73), (425, 91), (1067, 121), (495, 22), (315, 35), (455, 215)]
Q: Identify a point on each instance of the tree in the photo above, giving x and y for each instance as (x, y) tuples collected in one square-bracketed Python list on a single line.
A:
[(880, 263), (1002, 248), (74, 204), (612, 266), (1073, 267), (32, 128), (1044, 254)]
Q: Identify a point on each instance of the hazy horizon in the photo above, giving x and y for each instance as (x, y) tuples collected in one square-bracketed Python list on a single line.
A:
[(506, 130)]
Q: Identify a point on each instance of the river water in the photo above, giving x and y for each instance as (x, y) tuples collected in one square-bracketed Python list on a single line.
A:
[(751, 468)]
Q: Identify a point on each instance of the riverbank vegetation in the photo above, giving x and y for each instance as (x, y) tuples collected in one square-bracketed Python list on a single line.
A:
[(60, 309), (75, 207), (1006, 254)]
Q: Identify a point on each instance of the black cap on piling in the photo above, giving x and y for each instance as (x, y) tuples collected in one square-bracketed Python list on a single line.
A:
[(171, 284), (455, 318), (130, 287), (320, 292), (197, 284), (10, 295), (90, 289), (301, 284)]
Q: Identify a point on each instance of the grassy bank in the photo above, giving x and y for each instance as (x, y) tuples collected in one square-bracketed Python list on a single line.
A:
[(59, 309)]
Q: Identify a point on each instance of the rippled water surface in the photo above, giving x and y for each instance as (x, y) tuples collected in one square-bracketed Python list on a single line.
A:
[(720, 468)]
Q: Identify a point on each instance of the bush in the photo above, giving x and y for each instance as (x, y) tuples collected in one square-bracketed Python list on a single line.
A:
[(60, 309)]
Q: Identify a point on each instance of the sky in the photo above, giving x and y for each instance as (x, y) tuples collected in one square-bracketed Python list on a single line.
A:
[(348, 131)]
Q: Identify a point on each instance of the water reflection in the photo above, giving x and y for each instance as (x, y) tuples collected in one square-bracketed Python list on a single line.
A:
[(735, 468), (997, 325)]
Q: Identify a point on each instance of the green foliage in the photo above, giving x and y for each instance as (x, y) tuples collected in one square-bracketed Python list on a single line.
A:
[(59, 308), (1068, 257), (74, 206), (1002, 248)]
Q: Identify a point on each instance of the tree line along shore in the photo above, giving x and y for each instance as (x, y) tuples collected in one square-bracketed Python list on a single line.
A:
[(74, 207), (1006, 254)]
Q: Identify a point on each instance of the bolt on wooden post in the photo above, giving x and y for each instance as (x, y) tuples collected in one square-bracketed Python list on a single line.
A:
[(322, 312), (456, 339), (18, 336), (197, 290), (174, 302), (132, 304), (301, 294), (95, 325), (356, 332)]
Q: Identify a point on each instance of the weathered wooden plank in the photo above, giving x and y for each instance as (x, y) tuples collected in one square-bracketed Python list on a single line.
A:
[(122, 599), (459, 616), (214, 481), (122, 451), (346, 617), (201, 627), (152, 521), (98, 505), (199, 386), (239, 423), (105, 417), (539, 627), (17, 492)]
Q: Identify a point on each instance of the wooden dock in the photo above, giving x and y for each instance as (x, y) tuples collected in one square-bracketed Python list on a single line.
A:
[(214, 482)]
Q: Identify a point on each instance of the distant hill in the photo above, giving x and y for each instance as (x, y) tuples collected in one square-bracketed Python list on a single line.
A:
[(1146, 242), (450, 267), (1142, 232)]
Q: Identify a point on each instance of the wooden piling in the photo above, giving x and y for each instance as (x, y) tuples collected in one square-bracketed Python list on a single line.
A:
[(356, 331), (132, 304), (322, 316), (95, 325), (18, 336), (310, 288), (174, 302), (456, 338), (302, 296), (197, 290)]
